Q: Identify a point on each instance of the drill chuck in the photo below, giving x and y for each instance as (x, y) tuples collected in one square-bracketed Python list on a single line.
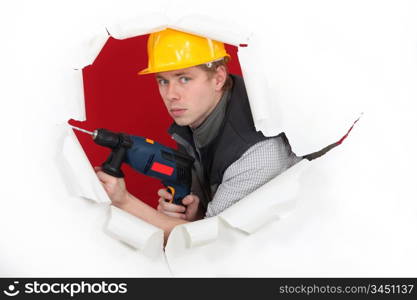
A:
[(119, 143)]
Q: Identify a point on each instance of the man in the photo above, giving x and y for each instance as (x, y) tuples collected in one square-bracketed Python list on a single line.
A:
[(213, 124)]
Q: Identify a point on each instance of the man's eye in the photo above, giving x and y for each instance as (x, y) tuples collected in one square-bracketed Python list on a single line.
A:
[(184, 79), (162, 81)]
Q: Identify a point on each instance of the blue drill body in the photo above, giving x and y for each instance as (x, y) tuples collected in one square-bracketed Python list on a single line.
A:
[(149, 158)]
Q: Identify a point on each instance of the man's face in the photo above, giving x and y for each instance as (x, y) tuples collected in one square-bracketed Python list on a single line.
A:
[(189, 95)]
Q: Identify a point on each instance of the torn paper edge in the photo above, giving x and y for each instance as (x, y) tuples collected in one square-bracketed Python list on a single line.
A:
[(216, 29), (201, 232), (135, 232), (317, 154), (120, 225), (255, 82), (85, 184), (248, 214), (202, 25), (77, 96), (89, 49), (260, 207), (137, 26)]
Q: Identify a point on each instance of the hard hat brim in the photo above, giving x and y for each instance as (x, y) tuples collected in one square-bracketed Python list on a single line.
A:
[(170, 68)]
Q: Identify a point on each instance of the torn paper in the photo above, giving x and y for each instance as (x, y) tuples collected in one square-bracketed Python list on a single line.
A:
[(217, 29), (135, 232), (139, 25), (89, 48), (73, 94), (264, 102), (273, 200), (81, 180), (201, 232), (203, 25), (80, 175)]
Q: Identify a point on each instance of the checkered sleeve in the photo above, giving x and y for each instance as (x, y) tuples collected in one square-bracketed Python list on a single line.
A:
[(258, 165)]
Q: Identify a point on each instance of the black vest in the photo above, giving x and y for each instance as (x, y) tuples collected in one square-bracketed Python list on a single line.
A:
[(236, 135)]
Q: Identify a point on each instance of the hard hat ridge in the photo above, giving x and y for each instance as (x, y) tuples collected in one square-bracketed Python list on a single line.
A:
[(171, 49)]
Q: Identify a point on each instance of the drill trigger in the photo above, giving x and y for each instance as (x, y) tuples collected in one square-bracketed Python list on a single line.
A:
[(171, 190)]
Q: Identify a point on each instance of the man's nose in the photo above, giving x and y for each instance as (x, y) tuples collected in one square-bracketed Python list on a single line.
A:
[(172, 92)]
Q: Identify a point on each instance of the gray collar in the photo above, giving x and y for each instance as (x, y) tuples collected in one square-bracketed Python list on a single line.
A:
[(208, 130)]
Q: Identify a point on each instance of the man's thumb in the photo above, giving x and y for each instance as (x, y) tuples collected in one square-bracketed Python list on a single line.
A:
[(188, 200)]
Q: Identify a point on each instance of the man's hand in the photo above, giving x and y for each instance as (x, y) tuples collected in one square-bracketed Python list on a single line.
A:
[(121, 198), (115, 187), (190, 212)]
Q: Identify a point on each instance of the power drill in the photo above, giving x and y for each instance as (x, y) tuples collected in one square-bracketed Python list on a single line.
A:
[(146, 156)]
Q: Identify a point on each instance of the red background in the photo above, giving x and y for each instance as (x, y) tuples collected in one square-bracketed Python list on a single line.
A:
[(118, 99)]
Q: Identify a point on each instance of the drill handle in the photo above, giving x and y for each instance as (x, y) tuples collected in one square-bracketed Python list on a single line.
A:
[(113, 163), (178, 191), (118, 143)]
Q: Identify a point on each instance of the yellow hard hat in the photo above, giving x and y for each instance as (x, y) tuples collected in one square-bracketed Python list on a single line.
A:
[(171, 49)]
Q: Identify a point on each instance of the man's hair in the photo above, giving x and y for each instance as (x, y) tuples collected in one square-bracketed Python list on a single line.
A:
[(211, 68)]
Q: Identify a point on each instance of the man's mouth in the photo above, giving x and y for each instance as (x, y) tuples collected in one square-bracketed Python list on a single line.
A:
[(177, 112)]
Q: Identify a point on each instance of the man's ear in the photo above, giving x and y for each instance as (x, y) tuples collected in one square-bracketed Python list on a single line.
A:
[(220, 77)]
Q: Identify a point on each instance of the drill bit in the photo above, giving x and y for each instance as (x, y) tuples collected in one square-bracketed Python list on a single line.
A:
[(94, 134)]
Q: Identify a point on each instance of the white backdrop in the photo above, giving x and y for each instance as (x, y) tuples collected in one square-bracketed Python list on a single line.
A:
[(352, 212)]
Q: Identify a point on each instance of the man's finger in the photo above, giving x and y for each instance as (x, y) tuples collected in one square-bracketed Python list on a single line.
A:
[(171, 207), (103, 176), (175, 215), (164, 194), (188, 200)]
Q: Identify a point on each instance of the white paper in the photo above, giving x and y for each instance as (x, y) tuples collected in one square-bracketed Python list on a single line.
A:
[(75, 95), (140, 25), (89, 47), (273, 199), (135, 232), (201, 232), (79, 172), (217, 29), (264, 102)]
